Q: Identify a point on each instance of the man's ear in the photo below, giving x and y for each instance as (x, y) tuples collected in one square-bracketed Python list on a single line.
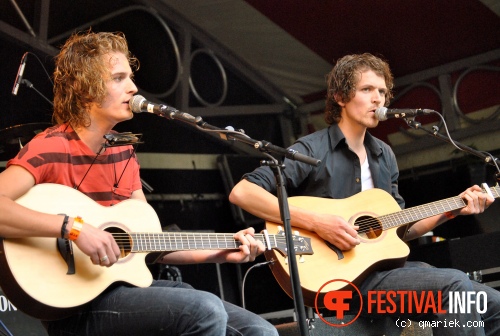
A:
[(339, 101)]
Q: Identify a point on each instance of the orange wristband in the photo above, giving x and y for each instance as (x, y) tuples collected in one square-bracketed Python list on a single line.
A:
[(449, 215), (76, 228)]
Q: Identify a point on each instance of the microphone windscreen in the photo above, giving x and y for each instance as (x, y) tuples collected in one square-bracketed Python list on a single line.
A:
[(381, 113), (136, 102)]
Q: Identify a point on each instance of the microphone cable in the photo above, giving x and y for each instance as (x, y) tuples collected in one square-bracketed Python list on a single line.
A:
[(30, 85), (245, 277)]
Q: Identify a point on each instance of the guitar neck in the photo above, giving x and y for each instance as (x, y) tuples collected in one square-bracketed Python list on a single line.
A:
[(417, 213), (176, 241)]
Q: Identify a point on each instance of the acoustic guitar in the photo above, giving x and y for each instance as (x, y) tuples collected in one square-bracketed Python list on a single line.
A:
[(50, 278), (378, 216)]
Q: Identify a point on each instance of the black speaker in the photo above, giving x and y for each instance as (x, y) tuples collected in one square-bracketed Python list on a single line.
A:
[(467, 254), (476, 252)]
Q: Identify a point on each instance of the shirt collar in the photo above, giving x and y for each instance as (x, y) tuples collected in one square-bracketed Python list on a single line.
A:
[(337, 137)]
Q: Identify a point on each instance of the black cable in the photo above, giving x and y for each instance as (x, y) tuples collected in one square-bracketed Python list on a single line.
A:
[(245, 277)]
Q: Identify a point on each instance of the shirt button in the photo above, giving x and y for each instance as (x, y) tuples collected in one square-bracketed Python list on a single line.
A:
[(358, 179)]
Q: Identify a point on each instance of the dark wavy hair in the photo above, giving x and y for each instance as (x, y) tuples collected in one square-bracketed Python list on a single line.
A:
[(345, 75), (80, 74)]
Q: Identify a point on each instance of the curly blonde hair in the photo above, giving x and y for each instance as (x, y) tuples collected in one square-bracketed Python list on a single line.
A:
[(345, 75), (80, 74)]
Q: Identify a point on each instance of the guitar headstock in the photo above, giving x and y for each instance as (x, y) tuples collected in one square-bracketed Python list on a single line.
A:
[(302, 245), (492, 191)]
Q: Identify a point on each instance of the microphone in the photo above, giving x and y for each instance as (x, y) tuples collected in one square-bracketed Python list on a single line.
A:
[(139, 104), (383, 113), (19, 76)]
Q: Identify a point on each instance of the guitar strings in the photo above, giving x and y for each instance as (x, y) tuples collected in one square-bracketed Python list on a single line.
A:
[(366, 224), (156, 240), (410, 215)]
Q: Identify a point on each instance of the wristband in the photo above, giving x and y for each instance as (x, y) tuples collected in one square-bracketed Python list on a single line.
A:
[(449, 215), (76, 228), (63, 227)]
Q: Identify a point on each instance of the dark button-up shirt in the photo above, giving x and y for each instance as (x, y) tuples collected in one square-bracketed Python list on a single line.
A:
[(339, 174)]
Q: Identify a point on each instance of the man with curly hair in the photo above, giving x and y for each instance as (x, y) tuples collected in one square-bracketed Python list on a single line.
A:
[(93, 84), (352, 160)]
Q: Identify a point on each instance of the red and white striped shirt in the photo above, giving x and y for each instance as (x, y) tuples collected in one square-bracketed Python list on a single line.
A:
[(58, 155)]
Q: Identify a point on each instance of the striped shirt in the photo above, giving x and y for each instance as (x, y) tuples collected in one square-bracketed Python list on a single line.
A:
[(58, 155)]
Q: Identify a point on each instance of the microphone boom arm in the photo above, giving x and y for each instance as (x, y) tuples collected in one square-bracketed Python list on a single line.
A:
[(139, 104), (486, 157), (226, 134)]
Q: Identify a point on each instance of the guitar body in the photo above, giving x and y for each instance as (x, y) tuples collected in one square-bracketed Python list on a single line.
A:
[(37, 278), (376, 252), (50, 278), (33, 272)]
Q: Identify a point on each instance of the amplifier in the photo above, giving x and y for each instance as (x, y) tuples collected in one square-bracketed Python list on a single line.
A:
[(477, 255)]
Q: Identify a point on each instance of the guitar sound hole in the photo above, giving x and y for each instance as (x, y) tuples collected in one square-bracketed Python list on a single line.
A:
[(369, 227), (123, 240)]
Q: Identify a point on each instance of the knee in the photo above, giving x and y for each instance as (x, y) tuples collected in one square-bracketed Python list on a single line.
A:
[(209, 303), (183, 285), (204, 314), (418, 264), (493, 298), (459, 281)]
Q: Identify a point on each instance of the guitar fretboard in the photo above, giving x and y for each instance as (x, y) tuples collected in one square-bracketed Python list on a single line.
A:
[(175, 241), (417, 213)]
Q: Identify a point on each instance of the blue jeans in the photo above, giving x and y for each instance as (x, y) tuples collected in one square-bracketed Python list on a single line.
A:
[(164, 308), (418, 276)]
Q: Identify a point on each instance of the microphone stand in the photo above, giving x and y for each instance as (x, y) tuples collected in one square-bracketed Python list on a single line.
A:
[(292, 265), (486, 157), (266, 147), (31, 86)]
